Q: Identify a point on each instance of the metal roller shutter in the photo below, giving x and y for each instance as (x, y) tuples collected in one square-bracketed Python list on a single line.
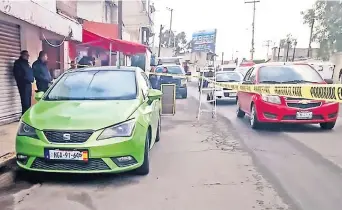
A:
[(10, 106)]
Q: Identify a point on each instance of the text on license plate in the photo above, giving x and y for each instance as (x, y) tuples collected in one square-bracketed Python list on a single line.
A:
[(66, 155), (304, 115)]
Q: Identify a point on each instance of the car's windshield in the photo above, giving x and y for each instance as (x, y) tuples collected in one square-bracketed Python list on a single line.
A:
[(242, 70), (95, 85), (171, 70), (289, 74), (228, 77)]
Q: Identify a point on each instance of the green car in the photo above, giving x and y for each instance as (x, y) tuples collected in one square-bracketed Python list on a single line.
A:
[(92, 120)]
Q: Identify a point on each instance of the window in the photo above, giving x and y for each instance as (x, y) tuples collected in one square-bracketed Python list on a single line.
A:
[(289, 74), (252, 77), (95, 85), (171, 69), (146, 80), (248, 74), (228, 77), (143, 84)]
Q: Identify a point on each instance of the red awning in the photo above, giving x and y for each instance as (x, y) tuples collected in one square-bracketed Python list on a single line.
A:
[(97, 35)]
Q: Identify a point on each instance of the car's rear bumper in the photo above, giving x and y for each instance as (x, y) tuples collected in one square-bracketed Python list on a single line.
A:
[(225, 94), (181, 91), (268, 112)]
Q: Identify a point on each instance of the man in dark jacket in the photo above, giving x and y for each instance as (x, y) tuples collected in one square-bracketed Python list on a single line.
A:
[(23, 75), (41, 72)]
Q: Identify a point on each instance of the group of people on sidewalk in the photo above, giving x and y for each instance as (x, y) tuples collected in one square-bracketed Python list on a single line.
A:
[(25, 75)]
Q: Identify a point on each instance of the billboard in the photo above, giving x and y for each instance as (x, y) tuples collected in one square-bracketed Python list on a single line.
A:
[(204, 41)]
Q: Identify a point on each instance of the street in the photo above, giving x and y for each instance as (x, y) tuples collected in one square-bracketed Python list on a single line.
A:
[(302, 162), (196, 165)]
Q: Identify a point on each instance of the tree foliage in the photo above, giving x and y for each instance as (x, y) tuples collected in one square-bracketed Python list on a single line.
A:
[(327, 31), (176, 41)]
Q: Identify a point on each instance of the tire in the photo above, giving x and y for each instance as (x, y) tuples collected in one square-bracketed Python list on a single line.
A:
[(144, 169), (327, 125), (253, 121), (158, 130), (239, 112)]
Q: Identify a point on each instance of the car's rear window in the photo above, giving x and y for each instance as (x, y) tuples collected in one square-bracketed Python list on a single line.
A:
[(95, 85), (171, 70), (168, 61), (228, 69), (229, 77), (283, 74)]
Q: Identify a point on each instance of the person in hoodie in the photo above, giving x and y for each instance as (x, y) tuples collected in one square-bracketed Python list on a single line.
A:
[(23, 76), (41, 72)]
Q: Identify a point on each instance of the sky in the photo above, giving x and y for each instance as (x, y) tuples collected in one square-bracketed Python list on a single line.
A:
[(233, 21)]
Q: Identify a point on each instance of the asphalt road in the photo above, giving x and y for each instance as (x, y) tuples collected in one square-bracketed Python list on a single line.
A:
[(196, 165), (303, 163)]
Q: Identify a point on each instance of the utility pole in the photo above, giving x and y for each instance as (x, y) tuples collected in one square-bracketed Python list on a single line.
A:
[(170, 32), (253, 25), (222, 58), (288, 48), (267, 45), (311, 34), (119, 30), (160, 39), (294, 50)]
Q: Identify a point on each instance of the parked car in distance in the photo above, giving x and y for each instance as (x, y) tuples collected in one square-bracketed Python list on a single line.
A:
[(262, 108), (222, 93), (181, 83), (91, 120)]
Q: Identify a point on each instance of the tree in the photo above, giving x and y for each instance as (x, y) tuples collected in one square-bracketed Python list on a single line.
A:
[(328, 25), (177, 41)]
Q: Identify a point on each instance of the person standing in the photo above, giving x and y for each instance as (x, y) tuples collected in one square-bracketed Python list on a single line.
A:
[(41, 72), (23, 76)]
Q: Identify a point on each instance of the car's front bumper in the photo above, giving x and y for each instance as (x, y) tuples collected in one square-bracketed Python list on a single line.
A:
[(181, 91), (268, 112), (102, 153)]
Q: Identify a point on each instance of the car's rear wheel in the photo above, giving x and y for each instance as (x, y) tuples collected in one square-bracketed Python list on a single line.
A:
[(327, 125), (144, 169), (253, 119), (239, 112)]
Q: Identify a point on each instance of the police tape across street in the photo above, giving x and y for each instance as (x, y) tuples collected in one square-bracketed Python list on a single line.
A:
[(328, 92)]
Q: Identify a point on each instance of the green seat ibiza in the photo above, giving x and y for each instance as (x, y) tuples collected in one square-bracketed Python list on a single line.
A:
[(92, 120)]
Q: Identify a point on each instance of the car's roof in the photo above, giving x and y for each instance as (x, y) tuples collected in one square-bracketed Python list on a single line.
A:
[(278, 64), (168, 64), (109, 68)]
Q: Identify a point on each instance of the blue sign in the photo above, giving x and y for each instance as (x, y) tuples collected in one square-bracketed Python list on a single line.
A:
[(204, 41)]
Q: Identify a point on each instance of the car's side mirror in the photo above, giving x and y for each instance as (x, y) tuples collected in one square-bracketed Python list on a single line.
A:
[(329, 81), (188, 73), (154, 94), (38, 95)]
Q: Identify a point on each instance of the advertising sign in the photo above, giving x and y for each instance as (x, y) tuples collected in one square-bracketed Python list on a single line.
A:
[(204, 41)]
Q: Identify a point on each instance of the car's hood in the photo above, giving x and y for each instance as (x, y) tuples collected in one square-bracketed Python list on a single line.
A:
[(79, 115)]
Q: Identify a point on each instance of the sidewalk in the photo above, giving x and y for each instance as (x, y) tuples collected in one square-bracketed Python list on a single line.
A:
[(7, 141)]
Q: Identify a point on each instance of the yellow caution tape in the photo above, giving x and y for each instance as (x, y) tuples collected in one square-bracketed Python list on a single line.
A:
[(327, 92)]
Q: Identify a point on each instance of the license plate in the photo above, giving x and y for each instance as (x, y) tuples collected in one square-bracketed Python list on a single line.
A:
[(226, 94), (66, 155), (232, 94), (304, 115)]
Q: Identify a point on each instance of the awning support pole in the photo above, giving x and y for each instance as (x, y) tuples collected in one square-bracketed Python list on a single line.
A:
[(118, 59), (110, 54)]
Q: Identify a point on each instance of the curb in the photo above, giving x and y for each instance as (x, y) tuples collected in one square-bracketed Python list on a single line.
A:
[(6, 160)]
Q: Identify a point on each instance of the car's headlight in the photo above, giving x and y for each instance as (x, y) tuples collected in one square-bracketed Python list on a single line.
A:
[(124, 129), (271, 99), (26, 130), (183, 82)]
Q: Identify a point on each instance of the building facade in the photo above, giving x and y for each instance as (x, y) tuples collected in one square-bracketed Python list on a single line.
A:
[(40, 26)]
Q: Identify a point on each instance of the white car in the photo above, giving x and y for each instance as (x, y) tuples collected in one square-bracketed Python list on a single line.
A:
[(225, 93)]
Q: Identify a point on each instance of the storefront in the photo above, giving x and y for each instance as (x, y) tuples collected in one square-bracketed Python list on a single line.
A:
[(10, 46)]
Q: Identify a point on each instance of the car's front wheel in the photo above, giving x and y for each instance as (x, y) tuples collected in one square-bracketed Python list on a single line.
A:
[(144, 169), (158, 130), (327, 125), (253, 119)]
